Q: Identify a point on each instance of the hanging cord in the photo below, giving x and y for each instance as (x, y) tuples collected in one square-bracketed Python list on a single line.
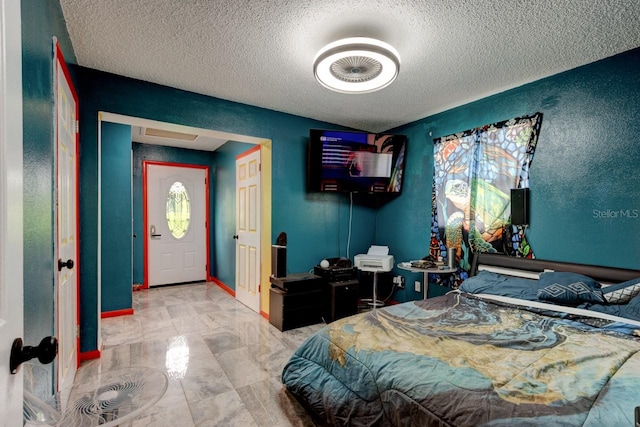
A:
[(393, 288), (338, 227), (350, 221), (375, 225)]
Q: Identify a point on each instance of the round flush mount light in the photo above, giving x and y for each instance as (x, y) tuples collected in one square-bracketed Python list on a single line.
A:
[(356, 65)]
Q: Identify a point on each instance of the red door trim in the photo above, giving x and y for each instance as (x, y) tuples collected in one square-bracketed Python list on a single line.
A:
[(222, 286), (116, 313), (89, 355), (249, 151), (145, 219)]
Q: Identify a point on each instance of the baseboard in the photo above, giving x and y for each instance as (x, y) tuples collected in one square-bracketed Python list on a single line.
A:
[(116, 313), (89, 355), (264, 314), (223, 286)]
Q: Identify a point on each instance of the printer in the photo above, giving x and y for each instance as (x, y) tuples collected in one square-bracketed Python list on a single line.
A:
[(377, 259)]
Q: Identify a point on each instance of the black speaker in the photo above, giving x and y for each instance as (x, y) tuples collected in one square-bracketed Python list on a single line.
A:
[(278, 261), (520, 206)]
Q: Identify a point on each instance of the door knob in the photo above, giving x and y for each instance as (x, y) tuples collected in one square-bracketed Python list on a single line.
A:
[(46, 351), (62, 264), (235, 236)]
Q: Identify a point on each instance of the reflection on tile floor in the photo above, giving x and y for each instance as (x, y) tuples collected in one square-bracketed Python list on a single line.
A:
[(223, 360)]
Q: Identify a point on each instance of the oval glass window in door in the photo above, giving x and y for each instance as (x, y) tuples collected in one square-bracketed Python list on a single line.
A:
[(178, 210)]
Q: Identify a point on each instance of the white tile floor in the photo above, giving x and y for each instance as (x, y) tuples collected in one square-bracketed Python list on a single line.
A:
[(223, 360)]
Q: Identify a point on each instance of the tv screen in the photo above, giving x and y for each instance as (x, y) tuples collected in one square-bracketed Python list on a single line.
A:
[(359, 162)]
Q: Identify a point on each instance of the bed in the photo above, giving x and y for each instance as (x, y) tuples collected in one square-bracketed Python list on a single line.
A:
[(503, 350)]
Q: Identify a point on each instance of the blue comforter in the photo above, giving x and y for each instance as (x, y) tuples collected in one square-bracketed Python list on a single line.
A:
[(457, 360)]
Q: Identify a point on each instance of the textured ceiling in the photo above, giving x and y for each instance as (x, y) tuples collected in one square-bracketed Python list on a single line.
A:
[(261, 52)]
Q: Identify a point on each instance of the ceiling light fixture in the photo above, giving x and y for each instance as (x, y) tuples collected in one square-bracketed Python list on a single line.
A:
[(356, 65)]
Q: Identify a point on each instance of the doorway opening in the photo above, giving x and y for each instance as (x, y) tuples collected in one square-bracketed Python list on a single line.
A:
[(265, 217), (176, 212)]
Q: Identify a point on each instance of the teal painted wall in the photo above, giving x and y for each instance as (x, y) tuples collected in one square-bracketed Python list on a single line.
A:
[(159, 153), (41, 20), (583, 175), (116, 208), (224, 215), (305, 218), (321, 238), (581, 179)]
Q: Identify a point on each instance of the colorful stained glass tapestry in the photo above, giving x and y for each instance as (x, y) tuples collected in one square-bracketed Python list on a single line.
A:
[(474, 172)]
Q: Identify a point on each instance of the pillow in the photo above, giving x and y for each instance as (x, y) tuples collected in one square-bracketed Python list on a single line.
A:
[(482, 281), (569, 288), (622, 293), (487, 282), (631, 310), (566, 278)]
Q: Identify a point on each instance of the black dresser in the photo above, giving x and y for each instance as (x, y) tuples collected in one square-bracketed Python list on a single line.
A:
[(296, 300)]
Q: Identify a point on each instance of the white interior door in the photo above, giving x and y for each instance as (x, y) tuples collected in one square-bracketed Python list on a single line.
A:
[(67, 224), (11, 274), (248, 260), (176, 229)]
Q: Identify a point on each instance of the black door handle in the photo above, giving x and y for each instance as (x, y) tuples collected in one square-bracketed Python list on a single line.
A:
[(62, 264), (46, 351), (235, 236)]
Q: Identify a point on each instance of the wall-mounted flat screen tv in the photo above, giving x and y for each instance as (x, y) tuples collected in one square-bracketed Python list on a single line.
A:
[(359, 162)]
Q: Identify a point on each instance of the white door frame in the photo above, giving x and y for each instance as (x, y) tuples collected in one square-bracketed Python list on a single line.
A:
[(248, 234), (11, 195), (64, 381), (145, 215)]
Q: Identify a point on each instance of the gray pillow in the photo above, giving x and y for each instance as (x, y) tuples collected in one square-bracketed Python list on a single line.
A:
[(622, 293)]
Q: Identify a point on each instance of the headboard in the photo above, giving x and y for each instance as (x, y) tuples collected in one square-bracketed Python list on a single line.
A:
[(601, 274)]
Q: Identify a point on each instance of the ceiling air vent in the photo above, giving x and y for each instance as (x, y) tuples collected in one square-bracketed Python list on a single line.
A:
[(160, 133)]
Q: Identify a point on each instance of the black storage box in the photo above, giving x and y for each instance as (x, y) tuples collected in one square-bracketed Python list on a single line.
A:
[(298, 282), (295, 300), (342, 299)]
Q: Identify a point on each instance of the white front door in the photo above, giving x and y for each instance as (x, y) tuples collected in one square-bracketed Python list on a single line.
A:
[(11, 274), (176, 223), (67, 224), (248, 261)]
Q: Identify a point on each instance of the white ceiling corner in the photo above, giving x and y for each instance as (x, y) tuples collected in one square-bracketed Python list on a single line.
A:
[(261, 53)]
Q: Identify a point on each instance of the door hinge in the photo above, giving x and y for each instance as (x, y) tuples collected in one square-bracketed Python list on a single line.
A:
[(259, 167), (77, 126), (77, 331)]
